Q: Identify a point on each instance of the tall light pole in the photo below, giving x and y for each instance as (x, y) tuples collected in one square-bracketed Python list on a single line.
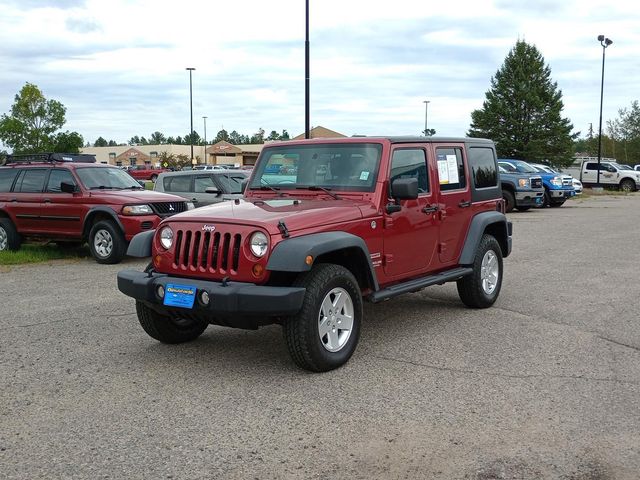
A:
[(191, 69), (205, 139), (306, 73), (605, 42), (426, 114)]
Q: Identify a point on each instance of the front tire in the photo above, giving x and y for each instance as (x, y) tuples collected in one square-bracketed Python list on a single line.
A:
[(167, 330), (107, 242), (627, 185), (9, 238), (324, 334), (482, 287), (509, 201)]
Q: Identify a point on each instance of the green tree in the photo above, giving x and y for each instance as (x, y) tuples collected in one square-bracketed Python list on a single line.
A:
[(134, 140), (100, 142), (157, 138), (222, 136), (189, 137), (257, 137), (522, 111), (31, 126), (112, 143), (67, 142)]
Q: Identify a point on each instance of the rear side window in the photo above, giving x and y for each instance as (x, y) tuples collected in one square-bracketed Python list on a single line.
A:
[(200, 184), (7, 176), (58, 176), (483, 167), (410, 163), (231, 183), (450, 168), (31, 180), (177, 183)]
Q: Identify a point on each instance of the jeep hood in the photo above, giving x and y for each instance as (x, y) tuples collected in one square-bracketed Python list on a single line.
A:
[(295, 213)]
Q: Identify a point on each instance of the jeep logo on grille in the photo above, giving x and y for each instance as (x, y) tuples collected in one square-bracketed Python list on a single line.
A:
[(208, 228)]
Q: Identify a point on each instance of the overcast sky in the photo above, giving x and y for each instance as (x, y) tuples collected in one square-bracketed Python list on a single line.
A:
[(119, 65)]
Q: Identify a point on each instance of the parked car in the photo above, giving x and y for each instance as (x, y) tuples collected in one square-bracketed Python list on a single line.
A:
[(577, 184), (145, 172), (520, 190), (557, 188), (390, 216), (210, 167), (203, 187), (70, 199)]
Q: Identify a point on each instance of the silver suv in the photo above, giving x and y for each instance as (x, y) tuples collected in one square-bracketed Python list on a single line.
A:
[(203, 187)]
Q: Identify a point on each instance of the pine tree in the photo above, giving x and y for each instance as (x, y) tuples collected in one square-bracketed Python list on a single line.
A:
[(522, 112)]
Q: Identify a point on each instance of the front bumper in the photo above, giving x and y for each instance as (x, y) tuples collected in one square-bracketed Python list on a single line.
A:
[(226, 300), (529, 198), (561, 193)]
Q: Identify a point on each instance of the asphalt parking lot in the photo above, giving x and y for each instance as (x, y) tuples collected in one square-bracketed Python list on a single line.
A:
[(546, 384)]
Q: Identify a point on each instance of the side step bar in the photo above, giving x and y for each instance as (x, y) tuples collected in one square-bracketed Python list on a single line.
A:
[(419, 283)]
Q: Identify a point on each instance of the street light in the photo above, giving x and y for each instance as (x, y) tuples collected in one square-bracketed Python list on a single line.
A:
[(191, 69), (205, 139), (605, 42), (306, 73), (426, 112)]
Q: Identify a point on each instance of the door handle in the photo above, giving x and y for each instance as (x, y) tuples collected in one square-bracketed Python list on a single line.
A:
[(430, 209), (464, 203)]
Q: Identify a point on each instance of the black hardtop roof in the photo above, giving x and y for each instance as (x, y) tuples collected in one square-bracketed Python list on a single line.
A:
[(49, 158)]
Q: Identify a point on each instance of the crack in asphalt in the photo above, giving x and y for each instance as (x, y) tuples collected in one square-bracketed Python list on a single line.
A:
[(626, 345), (506, 375)]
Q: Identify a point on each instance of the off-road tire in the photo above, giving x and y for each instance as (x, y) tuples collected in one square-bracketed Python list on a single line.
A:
[(627, 185), (473, 292), (509, 201), (106, 242), (167, 330), (302, 330), (9, 237)]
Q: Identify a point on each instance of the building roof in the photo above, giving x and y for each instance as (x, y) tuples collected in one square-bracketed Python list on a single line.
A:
[(320, 132)]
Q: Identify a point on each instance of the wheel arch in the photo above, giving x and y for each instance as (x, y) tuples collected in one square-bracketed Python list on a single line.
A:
[(493, 223), (97, 214), (340, 248)]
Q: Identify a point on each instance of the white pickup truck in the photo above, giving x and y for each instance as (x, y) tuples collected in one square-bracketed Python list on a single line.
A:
[(611, 174)]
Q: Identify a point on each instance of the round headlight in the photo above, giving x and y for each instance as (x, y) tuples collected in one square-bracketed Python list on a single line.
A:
[(259, 244), (166, 237)]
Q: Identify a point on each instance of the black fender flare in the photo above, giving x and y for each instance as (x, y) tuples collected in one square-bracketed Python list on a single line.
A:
[(140, 245), (93, 212), (477, 228), (289, 255)]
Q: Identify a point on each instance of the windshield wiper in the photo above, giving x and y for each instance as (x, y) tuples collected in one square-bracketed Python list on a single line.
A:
[(316, 187), (137, 187), (104, 187), (267, 186)]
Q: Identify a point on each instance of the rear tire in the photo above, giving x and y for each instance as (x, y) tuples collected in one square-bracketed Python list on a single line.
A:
[(627, 185), (9, 238), (107, 242), (324, 333), (482, 287), (509, 201), (167, 330)]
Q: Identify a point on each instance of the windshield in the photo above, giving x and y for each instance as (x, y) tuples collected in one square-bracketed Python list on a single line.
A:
[(524, 167), (622, 167), (107, 178), (345, 167)]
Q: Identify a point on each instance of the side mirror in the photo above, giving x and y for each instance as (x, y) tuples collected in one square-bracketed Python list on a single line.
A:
[(404, 189), (213, 190), (68, 187)]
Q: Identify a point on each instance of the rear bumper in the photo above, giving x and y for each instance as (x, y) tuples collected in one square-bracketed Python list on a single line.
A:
[(226, 300)]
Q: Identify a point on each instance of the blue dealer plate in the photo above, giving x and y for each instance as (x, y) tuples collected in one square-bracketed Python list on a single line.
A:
[(179, 295)]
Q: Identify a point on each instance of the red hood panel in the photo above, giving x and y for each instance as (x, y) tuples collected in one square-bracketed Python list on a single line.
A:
[(135, 196), (296, 213)]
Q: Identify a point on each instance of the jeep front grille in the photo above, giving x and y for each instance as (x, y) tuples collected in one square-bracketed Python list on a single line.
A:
[(166, 209), (536, 182), (212, 252)]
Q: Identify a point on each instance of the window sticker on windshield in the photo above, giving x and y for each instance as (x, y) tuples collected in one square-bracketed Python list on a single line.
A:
[(443, 171), (364, 175), (452, 162)]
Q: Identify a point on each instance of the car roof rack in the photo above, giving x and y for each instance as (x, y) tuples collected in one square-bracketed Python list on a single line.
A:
[(48, 158)]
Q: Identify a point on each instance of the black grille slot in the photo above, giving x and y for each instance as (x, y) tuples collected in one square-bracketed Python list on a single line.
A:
[(166, 209), (146, 225), (536, 182), (212, 251)]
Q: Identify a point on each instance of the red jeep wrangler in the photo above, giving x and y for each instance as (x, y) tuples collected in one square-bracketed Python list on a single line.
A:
[(351, 219), (69, 199)]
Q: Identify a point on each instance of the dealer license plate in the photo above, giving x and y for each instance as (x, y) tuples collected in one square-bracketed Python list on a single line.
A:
[(179, 295)]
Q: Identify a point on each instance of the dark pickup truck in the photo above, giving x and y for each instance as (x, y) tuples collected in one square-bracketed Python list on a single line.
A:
[(521, 190)]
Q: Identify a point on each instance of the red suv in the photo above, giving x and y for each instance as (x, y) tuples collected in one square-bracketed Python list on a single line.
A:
[(68, 198), (348, 220)]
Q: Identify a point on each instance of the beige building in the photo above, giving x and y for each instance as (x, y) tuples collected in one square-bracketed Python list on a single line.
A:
[(221, 153)]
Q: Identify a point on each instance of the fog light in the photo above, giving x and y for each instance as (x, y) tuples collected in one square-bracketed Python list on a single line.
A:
[(160, 291), (204, 298), (257, 270)]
